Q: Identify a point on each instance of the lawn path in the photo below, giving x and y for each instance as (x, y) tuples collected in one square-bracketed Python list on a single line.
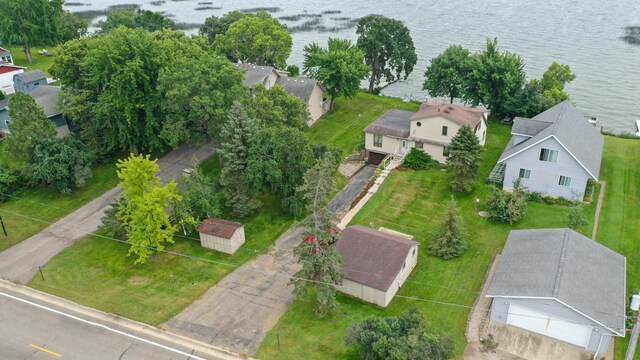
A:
[(20, 262), (598, 208)]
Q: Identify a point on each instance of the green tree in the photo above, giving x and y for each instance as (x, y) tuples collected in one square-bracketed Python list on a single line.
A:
[(320, 262), (10, 181), (398, 337), (28, 125), (576, 219), (388, 49), (293, 70), (465, 158), (275, 107), (506, 206), (135, 19), (61, 162), (448, 241), (527, 102), (340, 67), (419, 160), (214, 26), (199, 200), (144, 211), (259, 39), (494, 78), (30, 22), (72, 26), (198, 91), (553, 82), (238, 135), (446, 75)]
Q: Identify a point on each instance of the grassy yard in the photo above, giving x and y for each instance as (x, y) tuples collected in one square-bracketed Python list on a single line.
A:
[(413, 202), (97, 272), (49, 205), (39, 61)]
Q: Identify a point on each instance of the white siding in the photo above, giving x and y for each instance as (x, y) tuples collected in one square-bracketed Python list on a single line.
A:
[(431, 129), (314, 104), (481, 133), (228, 246), (389, 144), (6, 81)]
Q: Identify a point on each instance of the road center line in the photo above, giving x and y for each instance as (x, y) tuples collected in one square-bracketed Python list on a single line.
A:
[(190, 356), (45, 350)]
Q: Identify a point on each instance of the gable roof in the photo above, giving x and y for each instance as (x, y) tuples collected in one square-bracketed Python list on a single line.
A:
[(31, 76), (7, 68), (298, 86), (392, 123), (528, 127), (219, 227), (567, 266), (371, 257), (47, 97), (570, 128), (254, 74), (457, 113)]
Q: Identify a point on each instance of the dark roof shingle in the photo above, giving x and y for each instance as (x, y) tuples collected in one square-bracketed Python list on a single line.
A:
[(300, 87), (457, 113), (392, 123), (31, 76), (219, 227), (47, 97)]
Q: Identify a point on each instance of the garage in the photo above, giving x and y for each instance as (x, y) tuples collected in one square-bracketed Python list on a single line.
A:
[(548, 325), (376, 158)]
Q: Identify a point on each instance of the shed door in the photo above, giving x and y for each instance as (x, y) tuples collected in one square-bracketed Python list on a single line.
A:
[(548, 325)]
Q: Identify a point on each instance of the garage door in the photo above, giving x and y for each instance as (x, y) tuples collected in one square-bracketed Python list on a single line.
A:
[(548, 325)]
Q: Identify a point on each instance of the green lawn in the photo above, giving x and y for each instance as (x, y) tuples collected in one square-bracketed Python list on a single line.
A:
[(97, 272), (413, 202), (49, 205), (343, 126), (39, 61)]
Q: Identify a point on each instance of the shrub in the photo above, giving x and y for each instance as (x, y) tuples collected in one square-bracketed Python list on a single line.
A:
[(591, 185), (9, 182), (535, 197), (419, 160), (506, 206), (576, 219), (1, 95)]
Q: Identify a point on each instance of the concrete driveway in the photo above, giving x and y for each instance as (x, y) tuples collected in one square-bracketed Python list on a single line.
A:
[(20, 262), (237, 313)]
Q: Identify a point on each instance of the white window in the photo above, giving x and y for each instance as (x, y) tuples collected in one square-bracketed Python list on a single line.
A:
[(549, 155), (564, 181), (525, 174), (377, 140)]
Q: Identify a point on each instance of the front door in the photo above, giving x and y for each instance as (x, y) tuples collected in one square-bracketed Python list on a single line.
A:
[(403, 146)]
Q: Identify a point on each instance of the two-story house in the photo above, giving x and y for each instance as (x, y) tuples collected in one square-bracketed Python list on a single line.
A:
[(430, 130), (555, 153)]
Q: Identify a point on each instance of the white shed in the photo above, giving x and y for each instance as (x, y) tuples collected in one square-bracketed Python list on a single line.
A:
[(375, 264), (221, 235)]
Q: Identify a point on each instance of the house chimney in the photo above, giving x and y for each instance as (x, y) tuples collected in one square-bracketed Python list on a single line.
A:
[(245, 65)]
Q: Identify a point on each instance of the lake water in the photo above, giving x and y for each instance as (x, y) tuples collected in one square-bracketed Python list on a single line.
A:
[(584, 34)]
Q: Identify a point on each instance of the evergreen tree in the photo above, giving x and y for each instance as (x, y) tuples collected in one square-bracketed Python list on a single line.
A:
[(237, 138), (448, 240), (465, 157)]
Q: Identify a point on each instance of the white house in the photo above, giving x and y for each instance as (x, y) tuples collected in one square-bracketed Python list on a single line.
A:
[(7, 71), (375, 264), (560, 290), (430, 130), (221, 235), (555, 153), (5, 56)]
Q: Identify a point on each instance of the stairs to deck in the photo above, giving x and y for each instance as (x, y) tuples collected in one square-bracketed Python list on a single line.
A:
[(497, 174)]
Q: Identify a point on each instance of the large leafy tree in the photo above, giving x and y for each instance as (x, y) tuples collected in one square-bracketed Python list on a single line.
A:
[(72, 26), (30, 22), (340, 67), (61, 162), (446, 75), (465, 158), (214, 26), (28, 125), (494, 78), (259, 39), (199, 200), (554, 80), (276, 107), (448, 241), (238, 135), (144, 211), (388, 49), (398, 337), (134, 19), (320, 262)]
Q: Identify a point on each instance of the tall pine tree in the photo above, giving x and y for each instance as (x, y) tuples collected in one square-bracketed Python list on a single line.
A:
[(237, 137), (465, 157), (448, 240)]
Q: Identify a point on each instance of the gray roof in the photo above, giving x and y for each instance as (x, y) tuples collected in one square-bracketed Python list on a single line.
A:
[(529, 127), (392, 123), (569, 127), (255, 74), (567, 266), (298, 86), (47, 97), (31, 76)]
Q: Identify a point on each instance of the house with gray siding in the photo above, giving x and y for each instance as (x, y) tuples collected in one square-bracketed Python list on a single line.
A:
[(555, 153), (560, 286), (5, 56), (28, 81)]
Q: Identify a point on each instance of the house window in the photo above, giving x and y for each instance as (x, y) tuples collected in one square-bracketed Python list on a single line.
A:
[(36, 83), (419, 145), (445, 151), (525, 173), (404, 265), (377, 140), (549, 155), (564, 181), (419, 123), (484, 133), (445, 130), (414, 252)]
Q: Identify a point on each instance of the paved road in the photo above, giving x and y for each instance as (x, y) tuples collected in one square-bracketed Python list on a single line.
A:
[(237, 313), (34, 328), (20, 262)]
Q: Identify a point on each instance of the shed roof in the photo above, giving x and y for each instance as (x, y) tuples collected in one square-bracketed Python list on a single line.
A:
[(31, 76), (47, 97), (570, 128), (371, 257), (567, 266), (220, 228), (457, 113), (298, 86), (392, 123)]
